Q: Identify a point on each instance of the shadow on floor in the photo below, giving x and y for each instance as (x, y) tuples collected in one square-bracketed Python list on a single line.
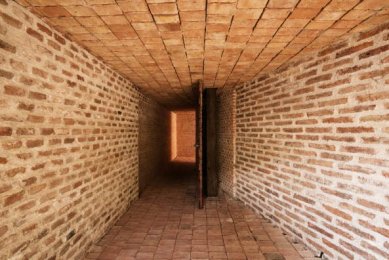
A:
[(181, 170), (179, 178), (176, 171)]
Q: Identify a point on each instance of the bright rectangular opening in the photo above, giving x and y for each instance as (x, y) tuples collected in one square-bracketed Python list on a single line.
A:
[(183, 135)]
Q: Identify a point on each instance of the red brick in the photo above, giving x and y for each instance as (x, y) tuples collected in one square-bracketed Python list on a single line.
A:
[(354, 49), (3, 160), (5, 131), (37, 95), (374, 74), (353, 149), (25, 131), (12, 199), (34, 143), (338, 212), (14, 91), (334, 120), (373, 161), (15, 171), (375, 118), (337, 64), (333, 102), (373, 96), (303, 91), (372, 32), (336, 157), (40, 73), (44, 29), (356, 109), (356, 129), (356, 249), (375, 249), (381, 230), (59, 39), (27, 107), (35, 119), (7, 47), (333, 48), (371, 205), (354, 69), (336, 193), (6, 74), (339, 231), (338, 248), (304, 199), (357, 210), (374, 52), (8, 145), (3, 230), (47, 131), (35, 34), (306, 74), (54, 45), (11, 20), (320, 230), (319, 78)]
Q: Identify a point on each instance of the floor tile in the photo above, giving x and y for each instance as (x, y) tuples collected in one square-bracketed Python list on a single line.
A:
[(165, 223)]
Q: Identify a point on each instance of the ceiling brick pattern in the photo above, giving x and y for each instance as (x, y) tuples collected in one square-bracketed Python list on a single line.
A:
[(164, 46)]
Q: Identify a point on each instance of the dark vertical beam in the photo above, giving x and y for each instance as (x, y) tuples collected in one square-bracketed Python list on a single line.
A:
[(198, 91), (212, 180)]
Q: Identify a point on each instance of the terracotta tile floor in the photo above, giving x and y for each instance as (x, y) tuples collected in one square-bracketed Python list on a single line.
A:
[(165, 223)]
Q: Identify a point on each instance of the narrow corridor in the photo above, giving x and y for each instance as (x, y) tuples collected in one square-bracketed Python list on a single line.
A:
[(165, 223), (282, 104)]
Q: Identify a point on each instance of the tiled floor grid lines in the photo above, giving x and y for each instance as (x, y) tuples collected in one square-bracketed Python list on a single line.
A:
[(165, 223)]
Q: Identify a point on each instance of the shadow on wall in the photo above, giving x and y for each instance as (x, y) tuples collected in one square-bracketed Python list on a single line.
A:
[(154, 141)]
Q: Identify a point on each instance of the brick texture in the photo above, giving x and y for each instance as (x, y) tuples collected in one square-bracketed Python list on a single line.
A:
[(166, 223), (68, 141), (312, 147), (165, 46), (225, 142), (154, 140), (186, 127)]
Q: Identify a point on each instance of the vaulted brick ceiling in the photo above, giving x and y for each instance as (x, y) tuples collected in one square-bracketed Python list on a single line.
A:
[(164, 46)]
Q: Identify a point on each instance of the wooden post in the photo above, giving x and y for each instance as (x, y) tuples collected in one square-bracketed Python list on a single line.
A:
[(211, 173), (198, 91)]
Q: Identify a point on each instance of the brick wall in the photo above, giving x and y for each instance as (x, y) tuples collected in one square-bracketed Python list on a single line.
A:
[(68, 141), (312, 147), (225, 139), (154, 140), (185, 134)]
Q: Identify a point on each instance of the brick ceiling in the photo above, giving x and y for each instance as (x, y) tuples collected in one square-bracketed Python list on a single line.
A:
[(164, 46)]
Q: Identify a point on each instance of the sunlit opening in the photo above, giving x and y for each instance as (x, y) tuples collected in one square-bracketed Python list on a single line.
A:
[(183, 127)]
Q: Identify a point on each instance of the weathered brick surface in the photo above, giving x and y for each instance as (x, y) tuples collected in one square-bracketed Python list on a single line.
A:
[(154, 140), (68, 141), (312, 147), (225, 142)]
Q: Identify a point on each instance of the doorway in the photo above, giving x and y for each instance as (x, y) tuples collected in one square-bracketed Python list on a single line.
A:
[(183, 133)]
